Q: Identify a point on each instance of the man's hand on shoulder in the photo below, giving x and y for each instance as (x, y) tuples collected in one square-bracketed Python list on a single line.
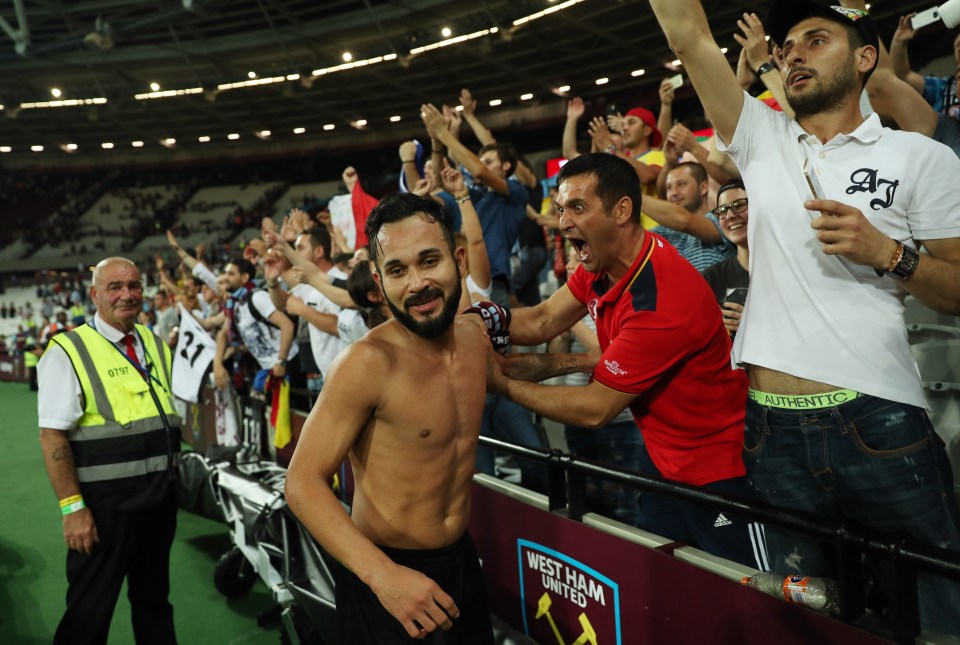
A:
[(496, 319), (415, 600)]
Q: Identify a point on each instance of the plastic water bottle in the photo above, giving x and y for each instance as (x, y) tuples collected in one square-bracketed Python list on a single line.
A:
[(766, 582), (816, 593), (820, 594)]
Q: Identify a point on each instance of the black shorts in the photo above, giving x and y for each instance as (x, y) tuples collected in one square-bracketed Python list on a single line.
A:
[(456, 568)]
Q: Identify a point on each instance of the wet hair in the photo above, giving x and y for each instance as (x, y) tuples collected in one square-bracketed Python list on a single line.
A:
[(400, 206), (243, 265), (615, 177), (697, 171), (319, 236), (506, 152)]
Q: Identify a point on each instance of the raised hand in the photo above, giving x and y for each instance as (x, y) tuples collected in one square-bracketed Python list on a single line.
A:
[(433, 121), (300, 220), (600, 133), (452, 181), (422, 187), (667, 92), (575, 108), (905, 31), (172, 240), (408, 151), (753, 40), (615, 122), (682, 138)]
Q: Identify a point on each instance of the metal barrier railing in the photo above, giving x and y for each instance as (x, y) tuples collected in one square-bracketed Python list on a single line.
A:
[(567, 491)]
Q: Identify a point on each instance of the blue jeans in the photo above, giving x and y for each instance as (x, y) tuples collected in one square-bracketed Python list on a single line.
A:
[(618, 444), (873, 461), (508, 421)]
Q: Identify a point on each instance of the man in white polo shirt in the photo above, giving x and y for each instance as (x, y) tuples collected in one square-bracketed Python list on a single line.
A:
[(836, 424)]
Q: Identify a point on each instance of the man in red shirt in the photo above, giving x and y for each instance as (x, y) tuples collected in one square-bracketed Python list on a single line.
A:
[(666, 354)]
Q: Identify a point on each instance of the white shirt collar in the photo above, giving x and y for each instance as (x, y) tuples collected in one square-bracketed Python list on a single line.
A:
[(867, 132), (109, 332)]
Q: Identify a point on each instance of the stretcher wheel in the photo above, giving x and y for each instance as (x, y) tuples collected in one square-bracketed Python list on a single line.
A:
[(233, 576)]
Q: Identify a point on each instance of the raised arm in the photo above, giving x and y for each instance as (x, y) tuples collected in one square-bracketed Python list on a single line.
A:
[(683, 138), (287, 332), (408, 163), (894, 98), (477, 255), (665, 118), (680, 219), (685, 25), (343, 410), (469, 105), (575, 110), (604, 143), (756, 54), (899, 57), (437, 128), (183, 255)]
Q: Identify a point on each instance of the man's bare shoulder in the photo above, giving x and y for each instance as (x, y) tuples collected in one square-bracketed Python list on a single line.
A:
[(377, 345)]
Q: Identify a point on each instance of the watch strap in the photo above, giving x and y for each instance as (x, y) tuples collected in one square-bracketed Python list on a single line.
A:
[(766, 67), (906, 263)]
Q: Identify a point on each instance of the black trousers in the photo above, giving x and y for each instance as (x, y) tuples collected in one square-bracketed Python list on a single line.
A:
[(134, 545), (456, 568)]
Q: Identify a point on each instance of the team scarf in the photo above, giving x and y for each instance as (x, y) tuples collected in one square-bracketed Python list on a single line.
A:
[(237, 299)]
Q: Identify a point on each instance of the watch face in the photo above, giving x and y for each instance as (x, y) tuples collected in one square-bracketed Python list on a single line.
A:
[(910, 261)]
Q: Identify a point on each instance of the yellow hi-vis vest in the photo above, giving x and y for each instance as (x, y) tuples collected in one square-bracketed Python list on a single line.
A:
[(120, 447)]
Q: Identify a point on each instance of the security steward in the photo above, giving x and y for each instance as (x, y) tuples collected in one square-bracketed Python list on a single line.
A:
[(110, 439)]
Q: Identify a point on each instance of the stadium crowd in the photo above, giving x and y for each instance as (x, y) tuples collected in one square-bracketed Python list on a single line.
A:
[(284, 306)]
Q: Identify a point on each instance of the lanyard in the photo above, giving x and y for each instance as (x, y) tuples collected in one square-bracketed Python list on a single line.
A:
[(147, 373)]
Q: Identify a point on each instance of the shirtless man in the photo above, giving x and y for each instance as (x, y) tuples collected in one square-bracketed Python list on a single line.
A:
[(409, 567)]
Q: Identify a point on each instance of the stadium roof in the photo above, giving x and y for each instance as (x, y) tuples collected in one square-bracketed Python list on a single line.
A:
[(261, 69)]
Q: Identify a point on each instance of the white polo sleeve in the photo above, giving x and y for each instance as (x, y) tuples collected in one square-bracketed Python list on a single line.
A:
[(59, 399)]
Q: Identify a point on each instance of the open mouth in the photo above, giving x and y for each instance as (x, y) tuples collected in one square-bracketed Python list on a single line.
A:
[(735, 227), (582, 248), (424, 302), (798, 77)]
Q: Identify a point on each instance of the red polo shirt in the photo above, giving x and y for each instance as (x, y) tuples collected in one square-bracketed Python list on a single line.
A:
[(663, 340)]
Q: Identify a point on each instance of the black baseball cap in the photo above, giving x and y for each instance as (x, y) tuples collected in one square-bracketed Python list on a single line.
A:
[(785, 14)]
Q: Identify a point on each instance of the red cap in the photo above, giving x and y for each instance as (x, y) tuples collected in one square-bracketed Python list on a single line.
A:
[(656, 137)]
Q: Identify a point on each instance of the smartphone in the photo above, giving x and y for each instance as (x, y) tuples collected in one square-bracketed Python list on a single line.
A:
[(925, 18), (676, 81), (810, 173), (737, 296)]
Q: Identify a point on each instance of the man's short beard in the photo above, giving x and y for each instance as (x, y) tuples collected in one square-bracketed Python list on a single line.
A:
[(436, 326), (830, 93)]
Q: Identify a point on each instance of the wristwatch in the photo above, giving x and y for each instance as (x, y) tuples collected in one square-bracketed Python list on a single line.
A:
[(283, 362), (903, 263), (907, 262), (766, 67)]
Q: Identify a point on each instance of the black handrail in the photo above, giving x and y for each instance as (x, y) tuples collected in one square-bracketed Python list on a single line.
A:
[(850, 540)]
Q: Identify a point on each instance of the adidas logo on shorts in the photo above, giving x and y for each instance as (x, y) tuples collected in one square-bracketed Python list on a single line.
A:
[(721, 521)]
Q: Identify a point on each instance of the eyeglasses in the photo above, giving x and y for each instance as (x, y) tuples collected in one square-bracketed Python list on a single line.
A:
[(738, 206)]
